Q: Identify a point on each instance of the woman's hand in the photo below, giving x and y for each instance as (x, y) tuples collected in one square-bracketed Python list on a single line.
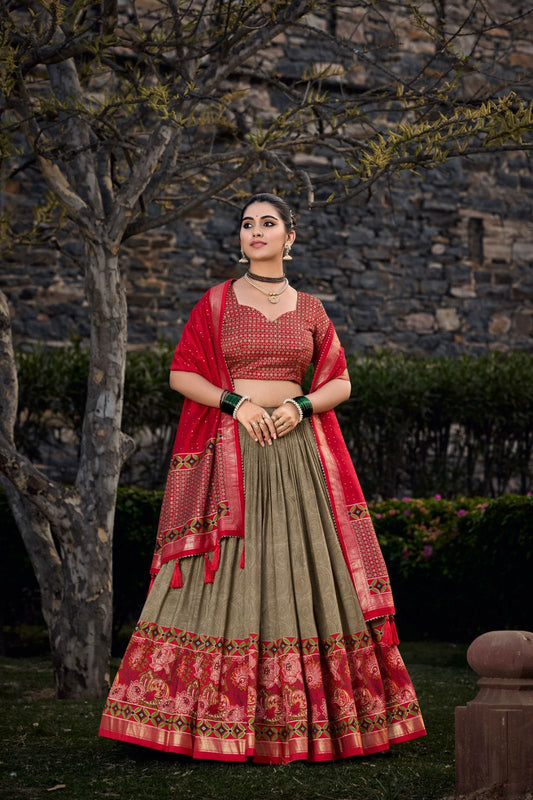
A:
[(285, 418), (257, 422)]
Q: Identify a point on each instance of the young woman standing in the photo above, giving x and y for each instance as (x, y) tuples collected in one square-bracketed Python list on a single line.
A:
[(268, 632)]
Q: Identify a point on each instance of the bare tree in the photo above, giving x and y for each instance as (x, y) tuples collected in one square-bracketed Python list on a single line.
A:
[(139, 112)]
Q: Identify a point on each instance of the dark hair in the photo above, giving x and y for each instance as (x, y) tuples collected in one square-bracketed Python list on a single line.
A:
[(285, 212)]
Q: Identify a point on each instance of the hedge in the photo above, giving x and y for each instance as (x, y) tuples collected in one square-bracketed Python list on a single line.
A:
[(458, 567), (452, 426), (413, 425)]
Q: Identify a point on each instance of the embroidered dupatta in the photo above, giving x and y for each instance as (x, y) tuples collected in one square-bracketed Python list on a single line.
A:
[(204, 495)]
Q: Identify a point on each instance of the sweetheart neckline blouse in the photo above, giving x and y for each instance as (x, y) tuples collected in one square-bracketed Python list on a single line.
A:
[(256, 347)]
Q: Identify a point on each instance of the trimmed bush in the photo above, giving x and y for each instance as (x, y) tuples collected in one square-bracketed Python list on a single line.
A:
[(413, 425), (52, 393), (456, 426), (458, 568)]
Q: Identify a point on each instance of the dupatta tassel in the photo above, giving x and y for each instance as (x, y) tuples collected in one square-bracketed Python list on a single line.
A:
[(241, 563), (211, 567), (390, 634), (176, 580)]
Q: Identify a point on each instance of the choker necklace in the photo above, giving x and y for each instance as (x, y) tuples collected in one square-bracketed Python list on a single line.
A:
[(272, 296), (266, 280)]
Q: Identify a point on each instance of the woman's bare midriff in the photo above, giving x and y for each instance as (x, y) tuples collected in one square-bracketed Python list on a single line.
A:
[(267, 393)]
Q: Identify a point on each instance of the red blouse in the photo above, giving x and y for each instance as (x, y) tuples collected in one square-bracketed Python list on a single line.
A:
[(279, 349)]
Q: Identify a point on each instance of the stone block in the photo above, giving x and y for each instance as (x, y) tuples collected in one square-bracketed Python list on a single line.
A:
[(365, 319), (448, 319), (369, 341), (458, 273), (371, 280), (501, 277), (497, 250), (420, 323), (523, 322), (500, 324), (433, 287), (523, 289), (463, 291), (523, 251)]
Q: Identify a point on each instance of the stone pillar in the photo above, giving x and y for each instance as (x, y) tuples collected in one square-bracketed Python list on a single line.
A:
[(494, 732)]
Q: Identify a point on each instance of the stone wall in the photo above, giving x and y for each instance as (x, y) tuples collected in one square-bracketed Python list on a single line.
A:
[(437, 264)]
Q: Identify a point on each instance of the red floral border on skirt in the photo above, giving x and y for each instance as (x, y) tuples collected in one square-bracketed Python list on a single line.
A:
[(290, 699)]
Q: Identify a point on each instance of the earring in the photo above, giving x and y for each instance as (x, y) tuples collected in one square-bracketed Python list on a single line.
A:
[(287, 253), (243, 259)]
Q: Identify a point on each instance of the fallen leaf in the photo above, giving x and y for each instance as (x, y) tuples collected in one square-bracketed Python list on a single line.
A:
[(57, 786)]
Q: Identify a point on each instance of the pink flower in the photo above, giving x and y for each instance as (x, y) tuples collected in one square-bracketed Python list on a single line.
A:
[(162, 657), (184, 703), (461, 512), (291, 669), (269, 672), (313, 672), (407, 512), (437, 496), (136, 692), (378, 516), (427, 551), (240, 675), (406, 499)]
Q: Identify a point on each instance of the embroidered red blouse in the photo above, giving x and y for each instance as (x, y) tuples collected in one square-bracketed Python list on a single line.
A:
[(279, 349)]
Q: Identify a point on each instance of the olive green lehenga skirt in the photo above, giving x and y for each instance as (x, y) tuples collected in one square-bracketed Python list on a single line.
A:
[(273, 660)]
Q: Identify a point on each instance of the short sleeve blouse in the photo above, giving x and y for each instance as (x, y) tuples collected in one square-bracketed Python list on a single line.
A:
[(279, 349)]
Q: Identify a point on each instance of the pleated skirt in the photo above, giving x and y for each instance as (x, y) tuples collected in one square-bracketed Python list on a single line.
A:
[(272, 661)]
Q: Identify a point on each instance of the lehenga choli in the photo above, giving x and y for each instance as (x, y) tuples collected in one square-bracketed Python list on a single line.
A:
[(268, 629)]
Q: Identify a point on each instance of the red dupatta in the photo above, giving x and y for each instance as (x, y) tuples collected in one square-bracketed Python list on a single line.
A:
[(204, 494)]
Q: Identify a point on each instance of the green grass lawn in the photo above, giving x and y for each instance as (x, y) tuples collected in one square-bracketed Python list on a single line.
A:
[(51, 748)]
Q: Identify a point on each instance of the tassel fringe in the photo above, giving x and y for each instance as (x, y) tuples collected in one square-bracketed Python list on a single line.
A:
[(390, 634), (209, 573), (211, 566), (241, 564), (176, 581)]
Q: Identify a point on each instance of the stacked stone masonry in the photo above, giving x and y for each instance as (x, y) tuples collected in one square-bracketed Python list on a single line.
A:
[(437, 264)]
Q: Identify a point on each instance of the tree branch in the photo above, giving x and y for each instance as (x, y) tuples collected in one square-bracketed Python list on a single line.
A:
[(142, 171), (195, 202)]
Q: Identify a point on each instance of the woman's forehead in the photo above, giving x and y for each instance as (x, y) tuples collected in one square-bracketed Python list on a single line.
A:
[(261, 209)]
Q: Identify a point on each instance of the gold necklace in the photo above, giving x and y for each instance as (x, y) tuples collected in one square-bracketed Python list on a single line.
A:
[(272, 296)]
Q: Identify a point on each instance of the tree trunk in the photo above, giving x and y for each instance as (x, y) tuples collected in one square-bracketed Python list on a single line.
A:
[(82, 642), (74, 568)]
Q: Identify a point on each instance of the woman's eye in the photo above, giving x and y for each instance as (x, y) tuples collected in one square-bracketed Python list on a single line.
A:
[(269, 222)]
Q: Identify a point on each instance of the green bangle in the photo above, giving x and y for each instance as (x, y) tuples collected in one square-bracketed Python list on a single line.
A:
[(304, 405), (231, 402), (228, 403)]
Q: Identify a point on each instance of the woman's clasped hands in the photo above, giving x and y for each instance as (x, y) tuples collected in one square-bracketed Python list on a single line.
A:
[(264, 427)]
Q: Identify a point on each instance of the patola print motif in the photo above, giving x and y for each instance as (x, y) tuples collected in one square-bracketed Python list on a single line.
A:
[(275, 701)]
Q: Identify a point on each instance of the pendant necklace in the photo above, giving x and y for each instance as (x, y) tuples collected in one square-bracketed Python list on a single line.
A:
[(272, 296)]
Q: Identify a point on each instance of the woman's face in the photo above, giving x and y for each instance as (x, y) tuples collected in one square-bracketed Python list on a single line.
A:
[(263, 234)]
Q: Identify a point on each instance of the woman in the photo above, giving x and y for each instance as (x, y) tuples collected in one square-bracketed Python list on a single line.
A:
[(275, 641)]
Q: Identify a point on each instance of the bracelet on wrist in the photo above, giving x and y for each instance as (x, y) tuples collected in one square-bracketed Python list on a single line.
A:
[(223, 396), (242, 400), (303, 404), (231, 402)]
